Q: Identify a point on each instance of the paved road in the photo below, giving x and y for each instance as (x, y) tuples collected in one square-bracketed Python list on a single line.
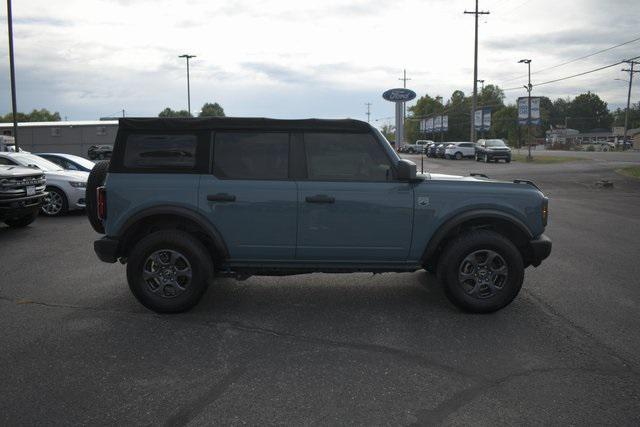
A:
[(334, 349)]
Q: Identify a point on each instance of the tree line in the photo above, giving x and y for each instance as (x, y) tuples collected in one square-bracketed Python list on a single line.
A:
[(41, 115), (208, 110), (586, 112)]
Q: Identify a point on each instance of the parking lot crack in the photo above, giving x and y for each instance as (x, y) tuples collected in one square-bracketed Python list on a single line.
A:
[(549, 309), (464, 397), (417, 359)]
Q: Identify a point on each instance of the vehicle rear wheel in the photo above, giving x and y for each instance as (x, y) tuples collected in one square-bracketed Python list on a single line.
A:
[(168, 271), (458, 156), (55, 203), (481, 271), (96, 179), (22, 221)]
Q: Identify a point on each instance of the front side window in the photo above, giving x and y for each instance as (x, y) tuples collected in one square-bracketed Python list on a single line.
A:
[(251, 155), (345, 157), (144, 151)]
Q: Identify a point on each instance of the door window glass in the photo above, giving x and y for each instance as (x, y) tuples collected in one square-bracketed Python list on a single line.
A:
[(251, 155), (346, 157)]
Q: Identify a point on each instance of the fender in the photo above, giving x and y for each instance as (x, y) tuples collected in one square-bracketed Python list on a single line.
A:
[(463, 217), (210, 229)]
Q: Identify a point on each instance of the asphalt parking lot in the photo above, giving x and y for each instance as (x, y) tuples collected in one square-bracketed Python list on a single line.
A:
[(336, 349)]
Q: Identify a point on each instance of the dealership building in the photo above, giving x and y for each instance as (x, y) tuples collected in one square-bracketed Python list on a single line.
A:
[(71, 137)]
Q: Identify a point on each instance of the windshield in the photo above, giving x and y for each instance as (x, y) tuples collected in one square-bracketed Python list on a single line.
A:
[(494, 143), (28, 159), (81, 161)]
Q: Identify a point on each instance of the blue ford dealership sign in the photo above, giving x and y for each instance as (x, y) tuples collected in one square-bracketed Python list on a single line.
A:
[(399, 95)]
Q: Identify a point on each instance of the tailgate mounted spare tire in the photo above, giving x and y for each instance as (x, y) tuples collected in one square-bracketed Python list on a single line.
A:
[(96, 179)]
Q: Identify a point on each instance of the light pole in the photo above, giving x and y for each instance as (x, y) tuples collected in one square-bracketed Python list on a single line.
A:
[(12, 71), (528, 87), (187, 57)]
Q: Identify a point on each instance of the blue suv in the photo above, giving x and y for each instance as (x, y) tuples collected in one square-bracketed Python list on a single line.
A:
[(185, 200)]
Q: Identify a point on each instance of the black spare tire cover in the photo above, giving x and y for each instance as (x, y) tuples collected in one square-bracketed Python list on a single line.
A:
[(96, 179)]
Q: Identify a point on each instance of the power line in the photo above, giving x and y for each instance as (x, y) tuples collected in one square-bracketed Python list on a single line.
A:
[(577, 59), (574, 75)]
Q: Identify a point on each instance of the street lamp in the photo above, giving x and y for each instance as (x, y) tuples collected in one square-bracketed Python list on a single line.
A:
[(187, 57), (12, 72), (528, 87)]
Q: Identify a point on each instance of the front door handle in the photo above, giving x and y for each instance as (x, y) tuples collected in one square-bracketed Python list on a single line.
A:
[(221, 197), (320, 198)]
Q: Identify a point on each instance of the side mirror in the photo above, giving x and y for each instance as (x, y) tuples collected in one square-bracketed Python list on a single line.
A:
[(406, 170)]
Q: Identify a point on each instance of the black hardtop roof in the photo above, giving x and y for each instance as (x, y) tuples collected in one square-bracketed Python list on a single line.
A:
[(241, 123)]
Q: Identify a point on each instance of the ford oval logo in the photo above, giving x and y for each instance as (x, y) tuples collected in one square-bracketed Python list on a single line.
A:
[(399, 95)]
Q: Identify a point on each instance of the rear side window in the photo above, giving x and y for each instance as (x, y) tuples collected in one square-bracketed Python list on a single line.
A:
[(346, 157), (251, 155), (160, 151)]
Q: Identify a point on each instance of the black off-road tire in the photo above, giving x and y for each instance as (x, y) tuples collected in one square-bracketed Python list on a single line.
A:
[(22, 221), (452, 259), (96, 179), (193, 251)]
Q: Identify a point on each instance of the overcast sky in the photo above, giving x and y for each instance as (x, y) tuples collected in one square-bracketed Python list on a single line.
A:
[(299, 58)]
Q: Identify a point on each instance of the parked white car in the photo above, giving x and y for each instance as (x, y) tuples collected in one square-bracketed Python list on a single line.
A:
[(417, 148), (459, 150), (66, 189)]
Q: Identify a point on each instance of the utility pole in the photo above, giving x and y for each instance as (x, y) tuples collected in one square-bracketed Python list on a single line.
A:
[(631, 71), (404, 79), (12, 71), (475, 74), (187, 57), (123, 112), (528, 87), (368, 104)]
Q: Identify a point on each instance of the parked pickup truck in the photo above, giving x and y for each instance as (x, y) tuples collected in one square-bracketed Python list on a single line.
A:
[(183, 201), (21, 193)]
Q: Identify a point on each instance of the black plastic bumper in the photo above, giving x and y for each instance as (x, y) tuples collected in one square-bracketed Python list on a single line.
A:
[(540, 249), (107, 249)]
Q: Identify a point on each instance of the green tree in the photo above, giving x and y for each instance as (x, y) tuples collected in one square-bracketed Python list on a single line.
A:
[(504, 125), (211, 110), (42, 115), (491, 96), (634, 116), (389, 132), (169, 113), (587, 111), (424, 106)]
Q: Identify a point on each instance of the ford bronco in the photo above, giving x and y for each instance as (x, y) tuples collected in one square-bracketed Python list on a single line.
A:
[(185, 200)]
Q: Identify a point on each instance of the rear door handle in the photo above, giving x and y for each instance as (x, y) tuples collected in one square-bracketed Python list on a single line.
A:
[(320, 198), (221, 197)]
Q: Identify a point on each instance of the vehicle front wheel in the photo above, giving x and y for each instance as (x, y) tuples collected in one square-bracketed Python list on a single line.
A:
[(481, 271), (458, 156), (22, 221), (55, 203), (168, 271)]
